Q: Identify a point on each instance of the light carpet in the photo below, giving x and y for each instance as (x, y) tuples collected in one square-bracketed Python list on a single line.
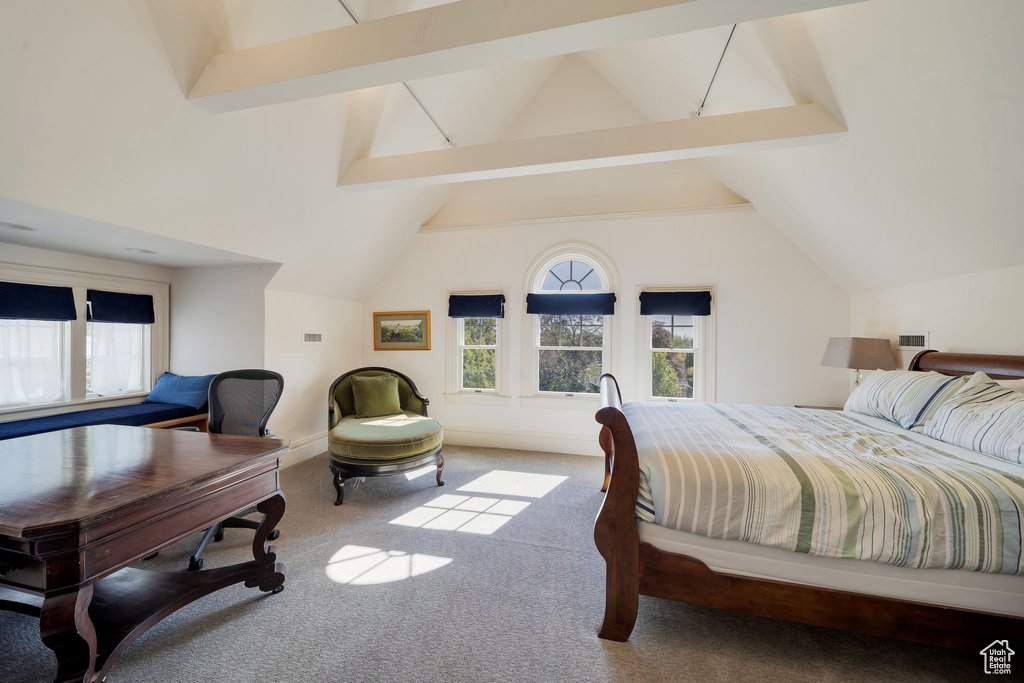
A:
[(513, 593)]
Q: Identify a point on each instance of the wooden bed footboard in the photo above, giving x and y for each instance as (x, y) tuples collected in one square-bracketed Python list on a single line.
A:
[(635, 568), (615, 529)]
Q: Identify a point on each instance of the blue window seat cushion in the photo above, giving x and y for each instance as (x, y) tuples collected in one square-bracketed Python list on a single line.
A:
[(133, 415)]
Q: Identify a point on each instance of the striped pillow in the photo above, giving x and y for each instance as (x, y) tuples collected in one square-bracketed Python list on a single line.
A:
[(907, 398), (984, 417)]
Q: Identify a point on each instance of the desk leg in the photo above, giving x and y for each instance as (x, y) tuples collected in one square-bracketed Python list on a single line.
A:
[(273, 510), (66, 628)]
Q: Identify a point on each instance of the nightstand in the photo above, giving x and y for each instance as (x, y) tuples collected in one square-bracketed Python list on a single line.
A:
[(820, 407)]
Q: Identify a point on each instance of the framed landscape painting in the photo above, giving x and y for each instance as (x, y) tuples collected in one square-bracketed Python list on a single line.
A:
[(401, 331)]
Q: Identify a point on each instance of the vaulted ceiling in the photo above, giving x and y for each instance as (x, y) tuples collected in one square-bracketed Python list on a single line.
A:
[(95, 125)]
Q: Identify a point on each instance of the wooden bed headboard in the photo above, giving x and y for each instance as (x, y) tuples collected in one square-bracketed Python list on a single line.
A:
[(996, 367)]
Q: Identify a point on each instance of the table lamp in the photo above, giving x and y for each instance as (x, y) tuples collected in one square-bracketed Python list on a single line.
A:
[(859, 353)]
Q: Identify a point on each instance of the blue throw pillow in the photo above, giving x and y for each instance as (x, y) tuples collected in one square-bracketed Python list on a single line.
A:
[(180, 389)]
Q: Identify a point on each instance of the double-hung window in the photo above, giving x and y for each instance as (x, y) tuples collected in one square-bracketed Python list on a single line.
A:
[(570, 303), (676, 329), (68, 339), (478, 354), (117, 359), (476, 323), (34, 322)]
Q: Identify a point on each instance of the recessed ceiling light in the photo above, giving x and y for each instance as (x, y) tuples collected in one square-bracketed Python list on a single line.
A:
[(136, 250), (15, 226)]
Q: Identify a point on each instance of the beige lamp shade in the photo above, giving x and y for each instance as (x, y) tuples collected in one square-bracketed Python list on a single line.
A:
[(859, 353)]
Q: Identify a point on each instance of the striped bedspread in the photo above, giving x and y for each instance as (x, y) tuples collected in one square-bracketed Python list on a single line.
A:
[(827, 483)]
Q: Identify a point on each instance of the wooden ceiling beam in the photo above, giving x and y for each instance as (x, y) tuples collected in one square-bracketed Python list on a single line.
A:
[(645, 143), (454, 37)]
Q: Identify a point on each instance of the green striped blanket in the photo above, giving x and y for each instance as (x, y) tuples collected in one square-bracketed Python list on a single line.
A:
[(827, 483)]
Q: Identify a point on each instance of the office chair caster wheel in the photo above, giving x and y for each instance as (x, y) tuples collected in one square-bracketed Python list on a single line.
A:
[(277, 590), (195, 565), (274, 535)]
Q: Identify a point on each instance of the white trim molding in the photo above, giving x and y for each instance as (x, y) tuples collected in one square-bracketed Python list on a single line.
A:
[(520, 440), (305, 448)]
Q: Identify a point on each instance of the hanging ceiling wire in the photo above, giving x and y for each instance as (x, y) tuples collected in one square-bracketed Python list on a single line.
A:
[(348, 10), (700, 109)]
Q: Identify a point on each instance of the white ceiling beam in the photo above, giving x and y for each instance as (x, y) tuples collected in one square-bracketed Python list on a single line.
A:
[(454, 37), (645, 143)]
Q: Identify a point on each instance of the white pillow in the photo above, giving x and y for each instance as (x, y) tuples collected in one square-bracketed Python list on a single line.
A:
[(984, 417), (905, 397), (1014, 384)]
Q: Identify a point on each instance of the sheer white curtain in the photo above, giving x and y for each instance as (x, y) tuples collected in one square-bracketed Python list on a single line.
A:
[(31, 361), (116, 358)]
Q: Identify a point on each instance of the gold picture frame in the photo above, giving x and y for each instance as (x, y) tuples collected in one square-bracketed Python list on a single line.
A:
[(401, 331)]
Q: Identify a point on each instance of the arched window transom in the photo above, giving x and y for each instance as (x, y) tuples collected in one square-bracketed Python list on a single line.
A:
[(572, 276)]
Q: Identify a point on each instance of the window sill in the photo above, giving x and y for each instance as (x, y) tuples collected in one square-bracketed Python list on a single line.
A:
[(29, 412), (666, 399), (586, 402), (474, 399)]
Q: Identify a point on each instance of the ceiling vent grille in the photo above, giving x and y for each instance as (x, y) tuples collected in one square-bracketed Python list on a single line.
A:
[(312, 337), (913, 341)]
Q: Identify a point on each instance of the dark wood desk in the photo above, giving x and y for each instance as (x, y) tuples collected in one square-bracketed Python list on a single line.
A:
[(80, 505)]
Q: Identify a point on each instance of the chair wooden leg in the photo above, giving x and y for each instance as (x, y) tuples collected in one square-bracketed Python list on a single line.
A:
[(440, 470), (339, 486)]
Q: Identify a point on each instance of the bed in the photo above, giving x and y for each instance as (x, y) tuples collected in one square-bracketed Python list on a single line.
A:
[(923, 594)]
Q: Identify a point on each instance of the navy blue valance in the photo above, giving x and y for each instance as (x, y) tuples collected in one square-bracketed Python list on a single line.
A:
[(476, 306), (675, 303), (118, 307), (36, 302), (570, 304)]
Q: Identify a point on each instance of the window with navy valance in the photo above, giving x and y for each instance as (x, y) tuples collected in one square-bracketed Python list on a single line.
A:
[(570, 304), (118, 307), (476, 306), (675, 303), (36, 302)]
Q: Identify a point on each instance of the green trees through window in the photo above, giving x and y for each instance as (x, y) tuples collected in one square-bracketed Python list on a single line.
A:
[(672, 356), (570, 353), (479, 353)]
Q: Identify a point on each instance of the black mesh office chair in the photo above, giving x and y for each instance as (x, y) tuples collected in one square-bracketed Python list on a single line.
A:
[(240, 402)]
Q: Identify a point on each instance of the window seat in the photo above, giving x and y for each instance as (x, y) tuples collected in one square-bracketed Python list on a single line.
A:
[(140, 414)]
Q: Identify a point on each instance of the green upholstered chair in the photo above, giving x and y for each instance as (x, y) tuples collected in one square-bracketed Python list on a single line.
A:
[(385, 444)]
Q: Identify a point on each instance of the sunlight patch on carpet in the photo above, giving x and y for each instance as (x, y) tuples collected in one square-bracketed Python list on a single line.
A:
[(505, 483), (429, 469), (468, 514), (358, 565)]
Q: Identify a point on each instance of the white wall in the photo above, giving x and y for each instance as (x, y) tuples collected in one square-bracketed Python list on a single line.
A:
[(775, 312), (217, 318), (978, 313), (308, 369)]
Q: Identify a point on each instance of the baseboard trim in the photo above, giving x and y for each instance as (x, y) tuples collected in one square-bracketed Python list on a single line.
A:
[(575, 444), (304, 449)]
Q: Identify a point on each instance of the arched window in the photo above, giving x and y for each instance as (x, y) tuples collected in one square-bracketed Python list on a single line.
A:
[(570, 299)]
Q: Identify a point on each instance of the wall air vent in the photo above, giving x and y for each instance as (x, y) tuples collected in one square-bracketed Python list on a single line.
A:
[(913, 341), (312, 337)]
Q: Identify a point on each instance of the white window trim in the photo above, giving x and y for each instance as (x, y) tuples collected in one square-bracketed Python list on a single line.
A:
[(75, 397), (530, 383), (455, 393), (705, 341)]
